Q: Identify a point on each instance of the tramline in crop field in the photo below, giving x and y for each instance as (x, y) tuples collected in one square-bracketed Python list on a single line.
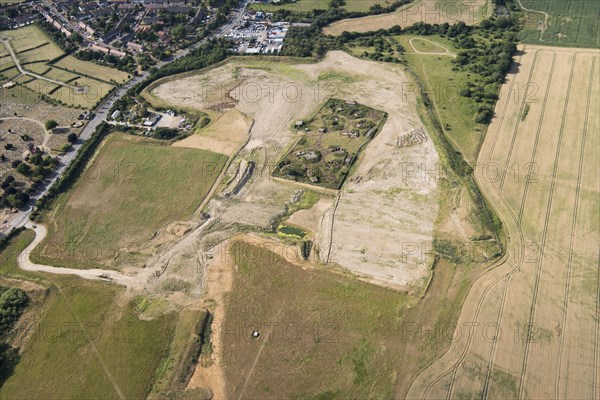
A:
[(529, 327)]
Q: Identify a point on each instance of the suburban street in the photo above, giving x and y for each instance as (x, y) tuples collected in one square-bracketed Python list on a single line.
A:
[(20, 218)]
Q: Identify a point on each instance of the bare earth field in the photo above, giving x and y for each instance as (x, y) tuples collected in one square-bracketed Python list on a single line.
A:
[(364, 240), (529, 326), (430, 11)]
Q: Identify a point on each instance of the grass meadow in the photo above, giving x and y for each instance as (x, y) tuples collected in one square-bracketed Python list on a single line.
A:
[(442, 84), (131, 189), (87, 341)]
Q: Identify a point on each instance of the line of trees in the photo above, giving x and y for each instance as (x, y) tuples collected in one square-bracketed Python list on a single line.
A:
[(57, 36), (74, 170), (211, 52)]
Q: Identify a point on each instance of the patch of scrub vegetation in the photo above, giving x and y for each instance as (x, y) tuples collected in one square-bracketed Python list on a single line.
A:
[(291, 230), (307, 199), (12, 303), (331, 143), (131, 189), (70, 352), (337, 77)]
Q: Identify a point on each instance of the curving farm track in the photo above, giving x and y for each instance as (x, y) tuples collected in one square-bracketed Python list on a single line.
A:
[(529, 326)]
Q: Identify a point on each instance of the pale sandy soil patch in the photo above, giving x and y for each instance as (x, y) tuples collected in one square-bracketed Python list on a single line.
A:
[(311, 219), (224, 135), (219, 281), (389, 203), (381, 196)]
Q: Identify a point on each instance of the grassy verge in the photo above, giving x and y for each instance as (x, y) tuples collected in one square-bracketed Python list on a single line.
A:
[(175, 370), (88, 341)]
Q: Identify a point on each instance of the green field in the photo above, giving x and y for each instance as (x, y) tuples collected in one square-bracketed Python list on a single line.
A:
[(571, 22), (426, 46), (37, 54), (442, 83), (331, 143), (60, 75), (133, 188), (309, 5), (92, 70), (331, 336), (87, 342)]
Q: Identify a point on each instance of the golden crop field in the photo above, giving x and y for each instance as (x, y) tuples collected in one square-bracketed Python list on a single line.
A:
[(529, 326), (430, 11)]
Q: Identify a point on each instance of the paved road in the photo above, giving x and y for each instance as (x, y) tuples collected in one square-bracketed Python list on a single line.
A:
[(22, 217)]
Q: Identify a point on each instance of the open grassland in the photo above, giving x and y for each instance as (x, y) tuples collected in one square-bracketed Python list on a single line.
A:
[(60, 75), (430, 11), (325, 335), (309, 5), (442, 82), (37, 54), (88, 340), (82, 92), (92, 70), (539, 166), (562, 22), (132, 188), (33, 43)]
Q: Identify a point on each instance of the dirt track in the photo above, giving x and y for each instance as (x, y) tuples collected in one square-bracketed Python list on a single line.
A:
[(529, 327), (94, 274)]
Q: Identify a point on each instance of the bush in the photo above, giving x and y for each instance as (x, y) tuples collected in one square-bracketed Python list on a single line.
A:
[(51, 124), (165, 133), (484, 116)]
